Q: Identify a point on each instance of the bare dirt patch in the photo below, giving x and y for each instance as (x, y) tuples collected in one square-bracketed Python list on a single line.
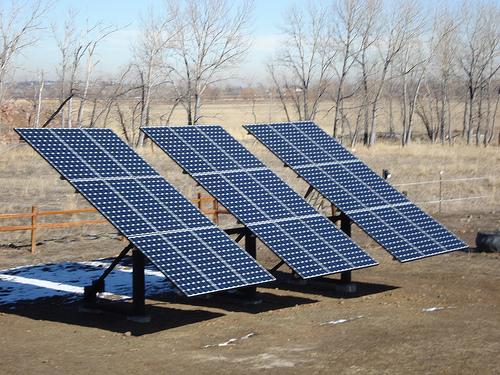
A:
[(436, 315)]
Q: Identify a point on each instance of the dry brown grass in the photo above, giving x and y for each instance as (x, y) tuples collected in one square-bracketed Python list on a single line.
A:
[(233, 113), (27, 180), (421, 163)]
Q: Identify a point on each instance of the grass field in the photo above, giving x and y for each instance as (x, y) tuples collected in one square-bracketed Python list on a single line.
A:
[(27, 180)]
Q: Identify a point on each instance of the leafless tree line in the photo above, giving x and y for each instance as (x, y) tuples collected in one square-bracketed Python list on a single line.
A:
[(183, 48), (358, 58), (412, 57)]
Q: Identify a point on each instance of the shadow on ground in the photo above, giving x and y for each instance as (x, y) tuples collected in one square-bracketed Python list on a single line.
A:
[(166, 308), (326, 286), (56, 309)]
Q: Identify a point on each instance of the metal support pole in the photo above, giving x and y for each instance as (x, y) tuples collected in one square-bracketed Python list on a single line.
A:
[(251, 243), (275, 268), (346, 277), (345, 224), (346, 285), (250, 292), (138, 283), (251, 248), (138, 289), (89, 294), (309, 191)]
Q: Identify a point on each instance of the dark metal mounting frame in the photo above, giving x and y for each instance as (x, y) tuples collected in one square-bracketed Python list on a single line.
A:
[(250, 292), (138, 310), (346, 227)]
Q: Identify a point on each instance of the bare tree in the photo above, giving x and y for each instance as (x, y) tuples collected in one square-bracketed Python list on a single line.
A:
[(21, 26), (73, 47), (416, 56), (277, 78), (493, 100), (210, 37), (301, 69), (480, 49), (76, 47), (128, 118), (150, 50), (108, 93), (447, 51), (370, 28), (491, 86), (101, 32), (435, 108), (395, 26), (348, 17), (65, 41), (41, 80)]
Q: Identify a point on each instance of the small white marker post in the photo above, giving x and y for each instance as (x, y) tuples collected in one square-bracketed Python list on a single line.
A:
[(440, 191)]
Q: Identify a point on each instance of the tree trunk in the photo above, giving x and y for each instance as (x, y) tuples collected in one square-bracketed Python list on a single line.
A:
[(442, 121), (480, 116), (493, 120), (404, 138), (470, 130), (373, 130), (70, 109), (39, 103)]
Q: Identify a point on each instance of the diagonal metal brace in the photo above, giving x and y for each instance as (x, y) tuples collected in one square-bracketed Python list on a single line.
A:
[(275, 268), (309, 191), (97, 286)]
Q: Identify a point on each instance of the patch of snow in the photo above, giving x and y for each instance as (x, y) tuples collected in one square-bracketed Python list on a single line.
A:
[(341, 321), (228, 342), (68, 279), (438, 308), (121, 268)]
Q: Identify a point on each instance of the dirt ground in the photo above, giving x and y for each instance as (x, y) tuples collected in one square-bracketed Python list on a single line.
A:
[(438, 315)]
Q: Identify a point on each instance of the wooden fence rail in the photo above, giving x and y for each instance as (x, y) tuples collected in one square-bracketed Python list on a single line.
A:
[(34, 214)]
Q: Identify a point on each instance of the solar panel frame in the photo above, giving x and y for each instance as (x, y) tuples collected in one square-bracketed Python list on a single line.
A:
[(196, 255), (260, 200), (366, 198)]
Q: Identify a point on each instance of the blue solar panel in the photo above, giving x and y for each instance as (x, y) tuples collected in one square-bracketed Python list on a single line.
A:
[(386, 215), (308, 242), (180, 240)]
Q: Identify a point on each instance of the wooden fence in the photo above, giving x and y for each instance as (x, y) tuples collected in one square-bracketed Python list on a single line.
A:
[(34, 214)]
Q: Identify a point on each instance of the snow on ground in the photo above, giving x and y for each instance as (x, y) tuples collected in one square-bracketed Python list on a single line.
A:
[(68, 279)]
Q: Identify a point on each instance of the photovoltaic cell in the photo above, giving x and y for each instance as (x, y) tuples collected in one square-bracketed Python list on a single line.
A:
[(180, 240), (367, 199), (308, 242)]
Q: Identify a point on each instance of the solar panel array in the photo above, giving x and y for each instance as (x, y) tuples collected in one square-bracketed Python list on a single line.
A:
[(308, 242), (386, 215), (180, 240)]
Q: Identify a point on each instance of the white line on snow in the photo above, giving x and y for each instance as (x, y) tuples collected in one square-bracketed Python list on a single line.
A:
[(52, 285)]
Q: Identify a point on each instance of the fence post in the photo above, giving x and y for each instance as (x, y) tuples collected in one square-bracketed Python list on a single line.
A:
[(200, 203), (440, 191), (216, 211), (34, 212)]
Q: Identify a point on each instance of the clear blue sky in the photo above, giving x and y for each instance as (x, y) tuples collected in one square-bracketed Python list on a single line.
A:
[(115, 51)]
